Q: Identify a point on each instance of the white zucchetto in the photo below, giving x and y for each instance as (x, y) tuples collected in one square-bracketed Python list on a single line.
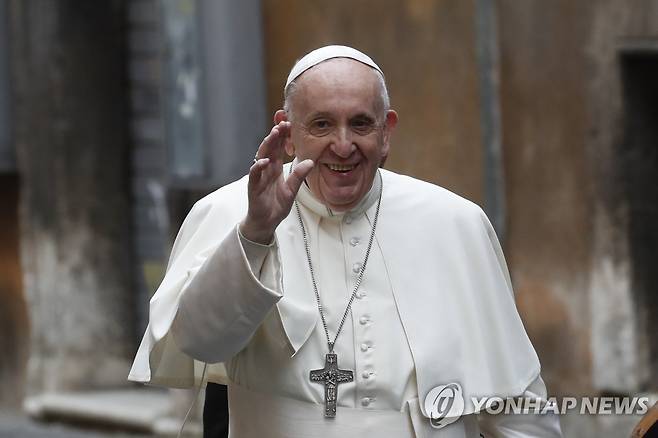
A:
[(328, 52)]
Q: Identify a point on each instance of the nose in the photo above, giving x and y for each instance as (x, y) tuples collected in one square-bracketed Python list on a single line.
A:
[(342, 144)]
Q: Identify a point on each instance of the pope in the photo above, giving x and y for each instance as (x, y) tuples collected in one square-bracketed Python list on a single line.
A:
[(336, 298)]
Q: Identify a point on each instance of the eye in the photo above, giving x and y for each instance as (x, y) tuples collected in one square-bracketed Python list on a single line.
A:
[(363, 125), (320, 127)]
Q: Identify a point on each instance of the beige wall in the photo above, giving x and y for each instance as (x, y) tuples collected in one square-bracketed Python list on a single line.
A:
[(548, 180), (427, 51)]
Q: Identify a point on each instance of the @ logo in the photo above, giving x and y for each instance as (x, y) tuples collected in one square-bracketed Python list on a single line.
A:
[(444, 404)]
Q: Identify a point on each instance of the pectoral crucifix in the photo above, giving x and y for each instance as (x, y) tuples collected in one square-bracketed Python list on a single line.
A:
[(331, 376)]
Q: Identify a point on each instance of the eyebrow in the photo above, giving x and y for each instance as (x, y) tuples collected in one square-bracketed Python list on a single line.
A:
[(365, 116), (325, 114), (319, 114)]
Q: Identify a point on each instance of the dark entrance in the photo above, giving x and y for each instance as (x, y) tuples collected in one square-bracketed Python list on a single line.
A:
[(638, 165)]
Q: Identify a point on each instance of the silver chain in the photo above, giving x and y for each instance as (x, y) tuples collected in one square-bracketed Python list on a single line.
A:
[(358, 278)]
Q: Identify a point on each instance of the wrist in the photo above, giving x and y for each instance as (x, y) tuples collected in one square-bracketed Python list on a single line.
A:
[(256, 232)]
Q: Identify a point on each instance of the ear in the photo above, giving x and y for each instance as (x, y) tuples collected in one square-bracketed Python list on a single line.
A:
[(390, 123), (282, 116)]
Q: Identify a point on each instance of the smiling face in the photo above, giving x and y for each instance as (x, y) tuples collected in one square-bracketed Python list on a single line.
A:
[(339, 121)]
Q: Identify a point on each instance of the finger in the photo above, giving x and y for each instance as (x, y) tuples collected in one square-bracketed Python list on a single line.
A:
[(298, 175), (278, 141), (273, 145), (284, 128), (262, 148), (256, 171)]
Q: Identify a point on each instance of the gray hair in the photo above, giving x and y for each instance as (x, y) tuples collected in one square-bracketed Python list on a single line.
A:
[(291, 89)]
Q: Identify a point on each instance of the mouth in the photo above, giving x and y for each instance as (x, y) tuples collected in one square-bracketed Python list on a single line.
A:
[(342, 168)]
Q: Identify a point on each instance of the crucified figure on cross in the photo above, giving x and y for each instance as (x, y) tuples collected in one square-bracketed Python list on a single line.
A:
[(331, 376)]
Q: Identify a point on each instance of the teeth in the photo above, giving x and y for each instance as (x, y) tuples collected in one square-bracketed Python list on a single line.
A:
[(341, 167)]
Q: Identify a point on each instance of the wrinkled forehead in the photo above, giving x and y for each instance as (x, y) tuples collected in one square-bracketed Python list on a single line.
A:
[(340, 87)]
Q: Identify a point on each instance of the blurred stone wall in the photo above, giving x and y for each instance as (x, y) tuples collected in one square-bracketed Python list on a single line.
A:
[(14, 324), (70, 115), (568, 229)]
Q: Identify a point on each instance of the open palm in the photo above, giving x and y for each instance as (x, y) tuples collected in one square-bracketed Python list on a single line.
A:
[(271, 193)]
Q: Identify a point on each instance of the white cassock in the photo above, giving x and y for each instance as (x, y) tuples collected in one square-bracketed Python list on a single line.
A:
[(435, 307)]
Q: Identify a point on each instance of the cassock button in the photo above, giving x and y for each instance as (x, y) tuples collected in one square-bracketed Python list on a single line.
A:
[(363, 320), (366, 374), (354, 241), (360, 294), (365, 401), (348, 219), (364, 347), (356, 267)]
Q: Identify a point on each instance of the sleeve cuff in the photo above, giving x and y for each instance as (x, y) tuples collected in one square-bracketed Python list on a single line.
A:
[(244, 240), (256, 252)]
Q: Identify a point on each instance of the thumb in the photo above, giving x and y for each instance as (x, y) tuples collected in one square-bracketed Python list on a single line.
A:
[(298, 174)]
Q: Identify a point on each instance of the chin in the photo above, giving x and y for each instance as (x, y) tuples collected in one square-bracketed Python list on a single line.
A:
[(342, 198), (342, 202)]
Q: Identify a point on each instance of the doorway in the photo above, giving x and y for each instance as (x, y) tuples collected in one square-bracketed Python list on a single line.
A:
[(637, 161)]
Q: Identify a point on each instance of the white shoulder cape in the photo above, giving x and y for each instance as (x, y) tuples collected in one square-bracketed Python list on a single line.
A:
[(449, 279)]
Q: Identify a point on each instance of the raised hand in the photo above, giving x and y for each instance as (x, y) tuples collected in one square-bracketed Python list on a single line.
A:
[(270, 193)]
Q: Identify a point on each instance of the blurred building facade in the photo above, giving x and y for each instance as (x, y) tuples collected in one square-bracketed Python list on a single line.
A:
[(119, 115)]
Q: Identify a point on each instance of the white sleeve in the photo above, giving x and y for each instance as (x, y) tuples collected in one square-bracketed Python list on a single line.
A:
[(522, 425), (263, 261), (225, 300)]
